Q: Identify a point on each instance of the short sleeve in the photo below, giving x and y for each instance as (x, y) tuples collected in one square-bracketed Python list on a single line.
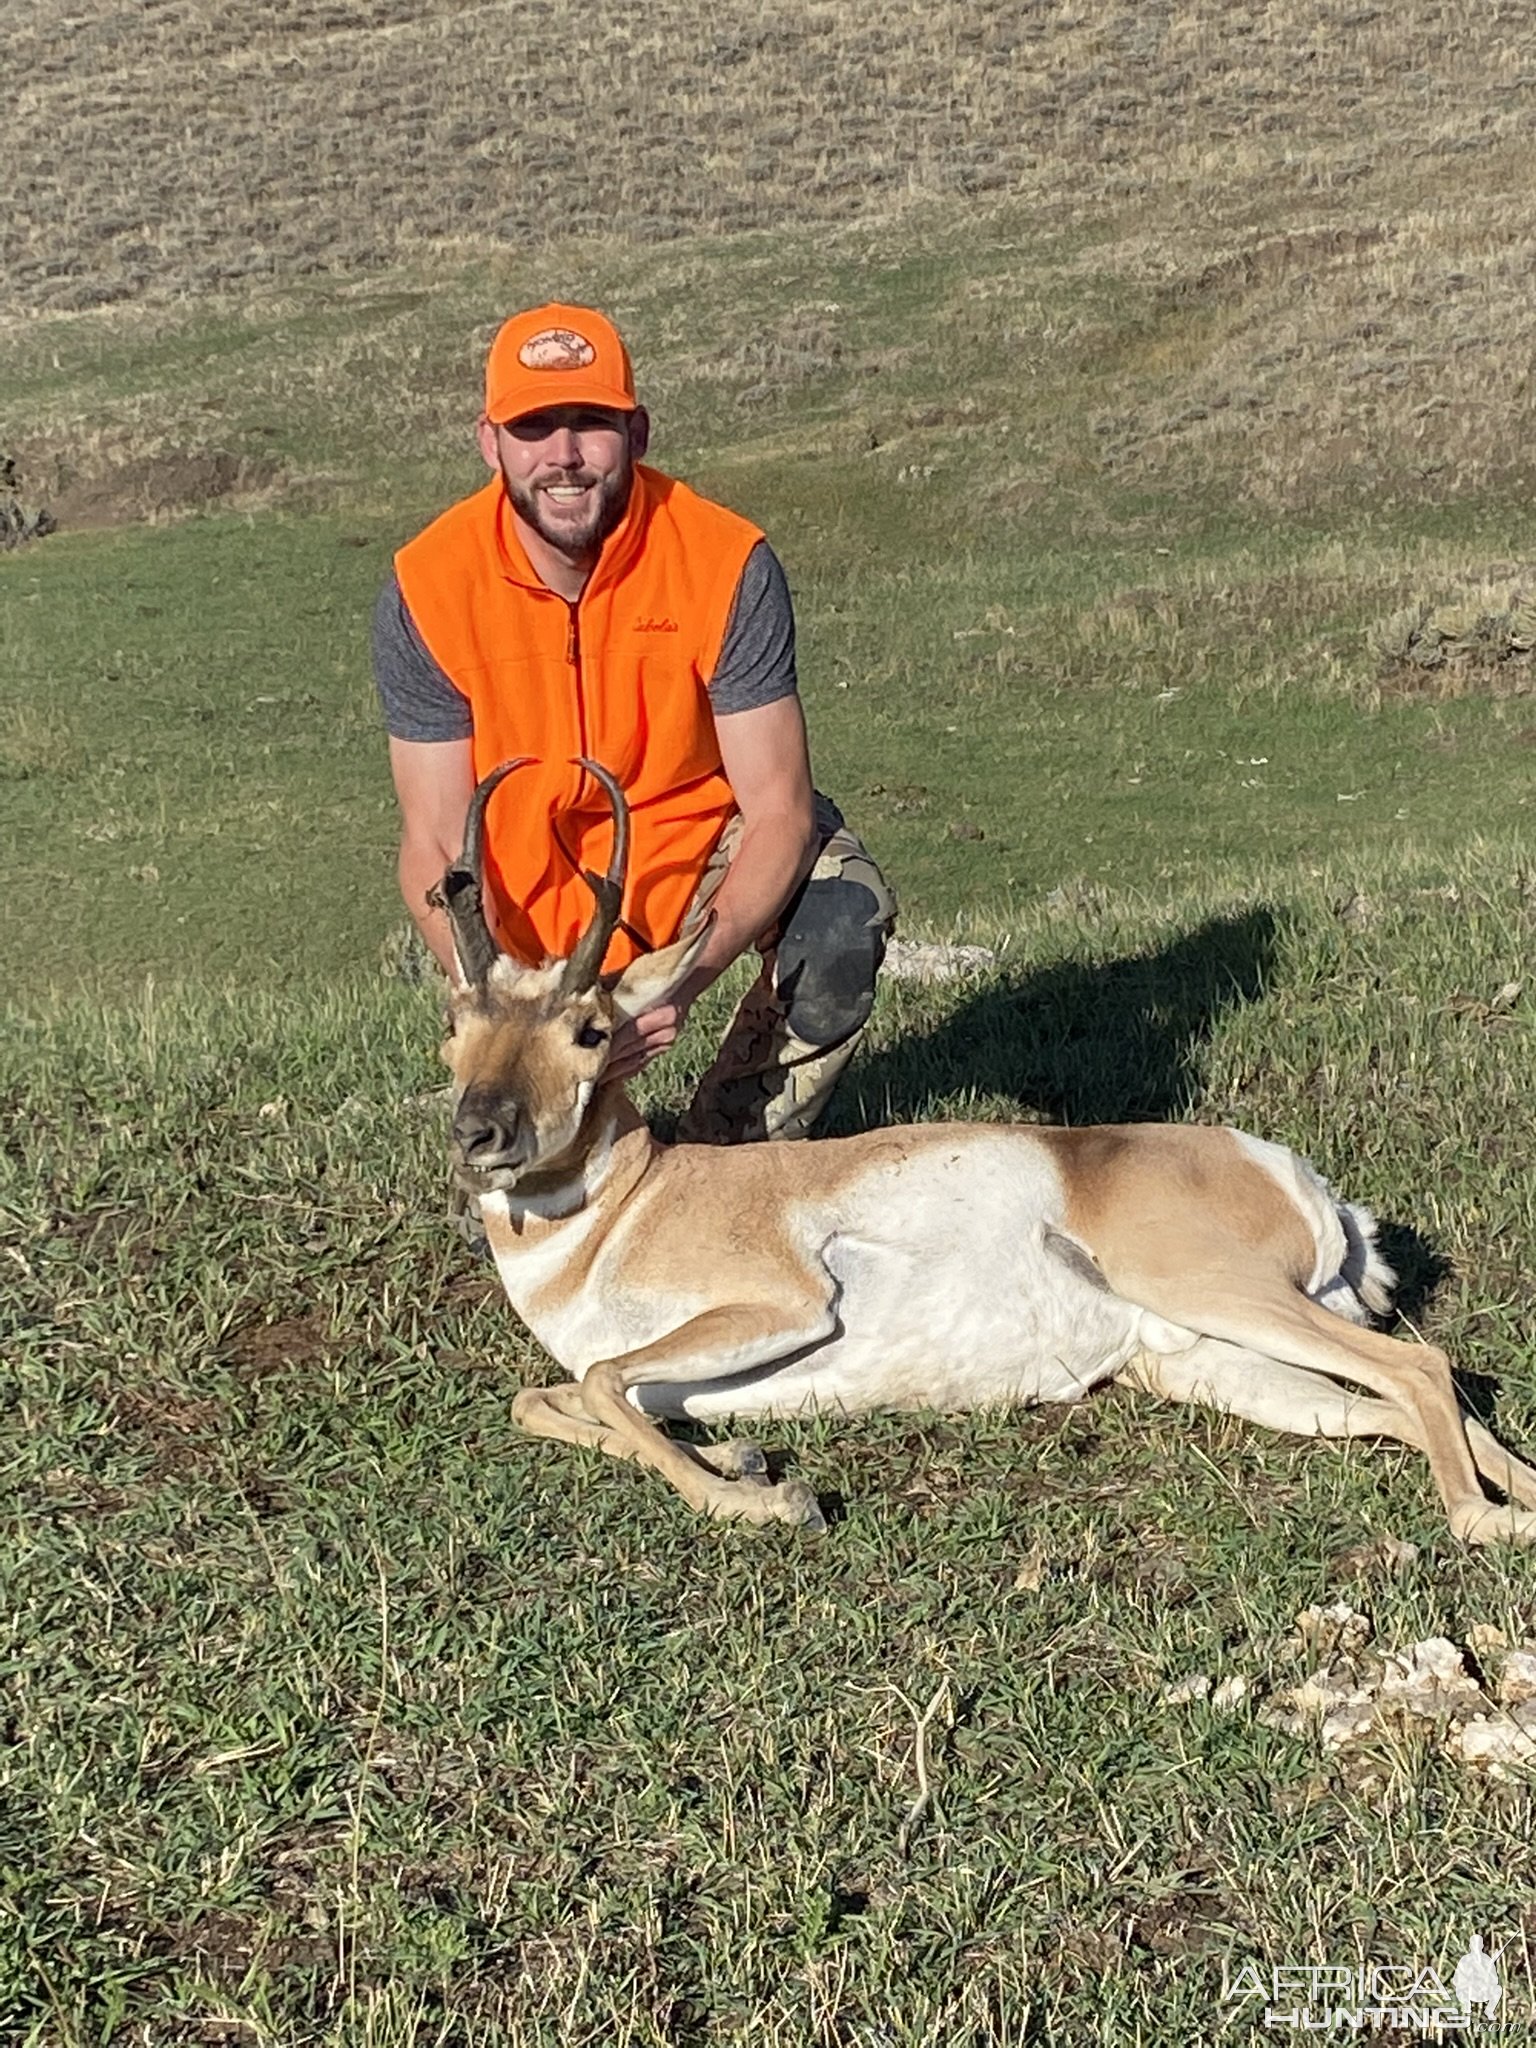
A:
[(418, 699), (757, 655)]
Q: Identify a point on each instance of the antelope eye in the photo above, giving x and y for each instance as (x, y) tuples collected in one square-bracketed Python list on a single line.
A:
[(590, 1036)]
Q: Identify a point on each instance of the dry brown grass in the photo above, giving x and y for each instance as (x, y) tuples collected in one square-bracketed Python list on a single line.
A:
[(1319, 212), (1397, 351), (182, 146)]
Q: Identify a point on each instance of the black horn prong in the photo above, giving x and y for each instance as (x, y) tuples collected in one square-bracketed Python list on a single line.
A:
[(461, 891), (586, 962)]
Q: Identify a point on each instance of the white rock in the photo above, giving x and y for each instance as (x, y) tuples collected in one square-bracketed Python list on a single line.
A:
[(1341, 1628), (926, 960), (1517, 1678), (1319, 1695), (1335, 1713), (1196, 1687), (1491, 1743), (1347, 1723), (1427, 1676)]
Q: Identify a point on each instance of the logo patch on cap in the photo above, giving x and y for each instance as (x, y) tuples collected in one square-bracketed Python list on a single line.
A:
[(557, 348)]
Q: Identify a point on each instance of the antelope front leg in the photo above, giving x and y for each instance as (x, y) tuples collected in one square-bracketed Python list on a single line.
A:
[(558, 1412), (719, 1342)]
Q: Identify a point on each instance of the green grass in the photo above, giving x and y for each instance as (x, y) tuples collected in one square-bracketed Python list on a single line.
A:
[(341, 1713), (195, 774)]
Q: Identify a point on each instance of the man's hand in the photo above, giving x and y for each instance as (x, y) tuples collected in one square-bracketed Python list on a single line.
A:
[(638, 1040), (764, 756)]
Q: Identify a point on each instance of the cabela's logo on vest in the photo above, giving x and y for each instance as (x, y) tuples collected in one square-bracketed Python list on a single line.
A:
[(557, 348), (650, 625)]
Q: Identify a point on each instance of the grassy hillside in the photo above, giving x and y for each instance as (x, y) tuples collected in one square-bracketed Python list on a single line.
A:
[(1042, 597), (1119, 391), (184, 147), (1141, 403)]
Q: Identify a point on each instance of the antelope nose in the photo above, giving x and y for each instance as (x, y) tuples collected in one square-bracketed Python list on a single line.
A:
[(483, 1134)]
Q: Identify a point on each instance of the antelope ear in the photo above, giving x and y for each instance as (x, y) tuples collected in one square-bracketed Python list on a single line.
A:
[(650, 980)]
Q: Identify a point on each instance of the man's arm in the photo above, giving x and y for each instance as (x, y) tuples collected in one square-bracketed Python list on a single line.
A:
[(768, 766), (767, 763), (430, 758), (434, 780)]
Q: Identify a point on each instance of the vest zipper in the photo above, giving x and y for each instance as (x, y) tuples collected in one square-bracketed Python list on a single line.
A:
[(573, 656)]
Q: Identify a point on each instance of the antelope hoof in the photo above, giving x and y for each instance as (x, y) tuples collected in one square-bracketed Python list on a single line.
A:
[(797, 1504), (1477, 1523), (735, 1460)]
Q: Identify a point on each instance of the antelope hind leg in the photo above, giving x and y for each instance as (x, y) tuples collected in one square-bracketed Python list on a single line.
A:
[(1501, 1468), (1416, 1378), (1213, 1374), (1288, 1397), (1418, 1403)]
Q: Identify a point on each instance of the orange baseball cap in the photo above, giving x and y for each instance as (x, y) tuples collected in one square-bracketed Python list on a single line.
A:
[(557, 355)]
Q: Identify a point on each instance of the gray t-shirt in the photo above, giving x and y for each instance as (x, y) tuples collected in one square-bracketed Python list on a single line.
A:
[(756, 665)]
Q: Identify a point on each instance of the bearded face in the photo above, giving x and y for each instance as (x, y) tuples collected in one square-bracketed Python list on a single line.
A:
[(568, 472)]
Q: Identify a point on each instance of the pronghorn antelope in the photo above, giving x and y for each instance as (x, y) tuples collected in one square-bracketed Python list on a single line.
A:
[(948, 1266)]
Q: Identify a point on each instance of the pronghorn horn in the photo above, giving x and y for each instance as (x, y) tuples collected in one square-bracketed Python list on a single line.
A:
[(586, 963), (460, 892)]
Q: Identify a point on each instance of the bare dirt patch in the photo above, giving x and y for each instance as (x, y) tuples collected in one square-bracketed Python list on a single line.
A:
[(263, 1348), (223, 1944), (122, 1238), (1185, 1925), (176, 1435), (149, 488)]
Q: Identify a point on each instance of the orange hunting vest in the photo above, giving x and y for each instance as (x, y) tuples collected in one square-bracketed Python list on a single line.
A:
[(621, 676)]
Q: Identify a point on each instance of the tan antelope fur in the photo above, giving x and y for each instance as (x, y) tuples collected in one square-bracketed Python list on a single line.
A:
[(946, 1266)]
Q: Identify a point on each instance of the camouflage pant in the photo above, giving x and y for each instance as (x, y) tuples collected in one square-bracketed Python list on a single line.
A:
[(797, 1026)]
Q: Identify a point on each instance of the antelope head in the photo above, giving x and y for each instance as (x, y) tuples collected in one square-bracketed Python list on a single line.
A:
[(528, 1045)]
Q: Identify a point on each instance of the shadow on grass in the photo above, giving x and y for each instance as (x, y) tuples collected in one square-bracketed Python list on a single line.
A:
[(1421, 1273), (1115, 1041), (1421, 1270)]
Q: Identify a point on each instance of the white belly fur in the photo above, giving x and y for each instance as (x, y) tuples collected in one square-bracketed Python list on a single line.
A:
[(1003, 1321), (1005, 1345)]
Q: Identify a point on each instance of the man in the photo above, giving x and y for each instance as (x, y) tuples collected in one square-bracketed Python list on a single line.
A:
[(584, 603)]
